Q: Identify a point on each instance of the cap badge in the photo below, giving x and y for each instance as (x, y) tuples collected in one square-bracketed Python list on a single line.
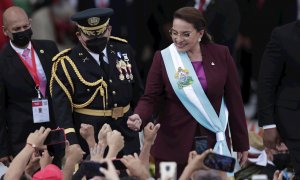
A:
[(93, 21)]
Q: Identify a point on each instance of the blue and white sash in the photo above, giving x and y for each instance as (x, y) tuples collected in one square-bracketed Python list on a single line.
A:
[(188, 89)]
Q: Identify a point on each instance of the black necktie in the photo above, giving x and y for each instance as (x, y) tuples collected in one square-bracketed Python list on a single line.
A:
[(104, 66)]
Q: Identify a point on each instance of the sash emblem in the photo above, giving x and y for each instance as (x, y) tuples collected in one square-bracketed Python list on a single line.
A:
[(183, 77)]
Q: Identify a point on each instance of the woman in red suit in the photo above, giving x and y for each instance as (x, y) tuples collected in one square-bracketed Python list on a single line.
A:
[(197, 60)]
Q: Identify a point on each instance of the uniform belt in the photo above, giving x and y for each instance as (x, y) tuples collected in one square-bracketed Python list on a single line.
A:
[(115, 113)]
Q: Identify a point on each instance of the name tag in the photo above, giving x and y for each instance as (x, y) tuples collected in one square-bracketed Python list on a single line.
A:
[(40, 110)]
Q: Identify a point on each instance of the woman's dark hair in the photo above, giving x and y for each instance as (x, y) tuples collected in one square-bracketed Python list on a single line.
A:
[(195, 17)]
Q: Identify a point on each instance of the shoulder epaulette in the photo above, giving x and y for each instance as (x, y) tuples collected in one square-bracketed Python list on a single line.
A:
[(60, 54), (118, 39)]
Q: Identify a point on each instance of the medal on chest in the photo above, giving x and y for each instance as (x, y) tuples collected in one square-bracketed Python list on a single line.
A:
[(124, 67)]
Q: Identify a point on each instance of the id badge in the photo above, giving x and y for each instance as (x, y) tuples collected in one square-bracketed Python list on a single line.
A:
[(40, 110)]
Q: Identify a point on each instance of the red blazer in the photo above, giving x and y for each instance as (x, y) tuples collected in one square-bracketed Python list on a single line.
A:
[(178, 128)]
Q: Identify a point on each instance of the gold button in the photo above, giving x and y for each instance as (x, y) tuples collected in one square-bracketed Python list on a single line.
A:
[(116, 105), (114, 92), (110, 81)]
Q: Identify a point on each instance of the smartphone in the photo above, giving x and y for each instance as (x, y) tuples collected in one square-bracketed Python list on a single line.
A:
[(3, 169), (168, 170), (56, 136), (219, 162), (118, 164), (91, 168), (286, 175), (201, 144), (259, 177)]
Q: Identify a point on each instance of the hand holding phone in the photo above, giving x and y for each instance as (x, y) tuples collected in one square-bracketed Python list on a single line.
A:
[(56, 136), (91, 168), (201, 144), (118, 164), (219, 162)]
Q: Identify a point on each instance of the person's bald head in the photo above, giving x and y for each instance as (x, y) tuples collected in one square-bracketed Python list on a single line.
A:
[(15, 20)]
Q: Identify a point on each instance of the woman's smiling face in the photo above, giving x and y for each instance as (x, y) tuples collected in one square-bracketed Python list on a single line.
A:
[(184, 35)]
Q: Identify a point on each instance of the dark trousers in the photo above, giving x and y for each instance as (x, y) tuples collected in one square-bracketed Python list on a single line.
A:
[(244, 58), (294, 149)]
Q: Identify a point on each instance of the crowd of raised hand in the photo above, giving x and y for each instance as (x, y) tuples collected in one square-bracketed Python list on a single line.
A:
[(34, 161)]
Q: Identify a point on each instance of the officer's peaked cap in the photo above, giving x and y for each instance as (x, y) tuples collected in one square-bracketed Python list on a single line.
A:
[(93, 21)]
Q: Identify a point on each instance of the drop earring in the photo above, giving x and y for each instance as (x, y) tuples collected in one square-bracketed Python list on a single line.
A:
[(199, 40)]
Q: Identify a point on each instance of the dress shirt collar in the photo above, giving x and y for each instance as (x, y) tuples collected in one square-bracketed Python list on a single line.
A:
[(20, 50), (96, 56)]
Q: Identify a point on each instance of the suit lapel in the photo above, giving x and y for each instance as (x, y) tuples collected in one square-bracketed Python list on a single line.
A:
[(210, 10), (208, 62), (112, 58), (44, 59), (293, 43), (20, 68), (211, 4)]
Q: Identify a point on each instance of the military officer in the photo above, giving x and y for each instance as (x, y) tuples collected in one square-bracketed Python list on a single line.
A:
[(97, 81)]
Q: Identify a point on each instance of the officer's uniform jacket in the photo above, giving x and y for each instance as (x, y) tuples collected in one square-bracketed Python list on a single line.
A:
[(79, 85)]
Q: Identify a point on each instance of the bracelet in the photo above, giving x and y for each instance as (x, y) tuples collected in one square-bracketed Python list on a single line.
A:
[(32, 145)]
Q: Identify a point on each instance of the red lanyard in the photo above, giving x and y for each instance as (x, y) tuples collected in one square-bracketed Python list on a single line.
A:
[(32, 70)]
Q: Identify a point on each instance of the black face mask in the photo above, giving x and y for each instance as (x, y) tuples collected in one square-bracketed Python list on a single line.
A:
[(282, 160), (22, 38), (96, 45)]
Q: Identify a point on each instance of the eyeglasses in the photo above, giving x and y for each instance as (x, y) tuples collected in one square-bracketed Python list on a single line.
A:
[(184, 35)]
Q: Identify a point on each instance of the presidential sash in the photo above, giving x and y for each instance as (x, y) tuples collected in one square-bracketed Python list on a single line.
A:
[(188, 89)]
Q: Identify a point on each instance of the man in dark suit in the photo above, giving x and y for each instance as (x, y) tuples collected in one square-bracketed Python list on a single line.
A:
[(279, 91), (96, 82), (25, 67), (223, 19)]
